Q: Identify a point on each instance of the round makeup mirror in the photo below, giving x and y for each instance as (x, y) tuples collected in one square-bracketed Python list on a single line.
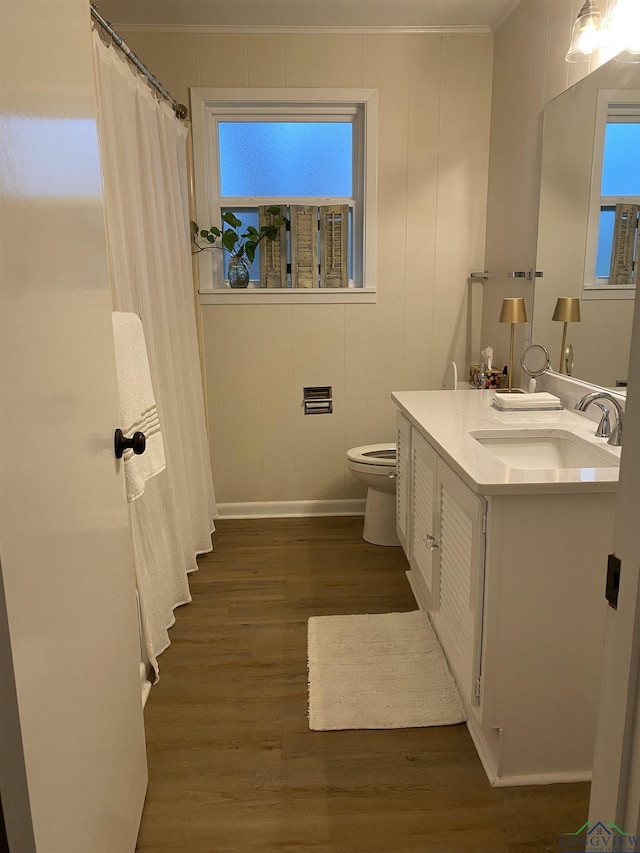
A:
[(535, 361), (568, 359)]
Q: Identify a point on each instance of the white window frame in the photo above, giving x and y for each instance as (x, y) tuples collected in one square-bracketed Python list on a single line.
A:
[(210, 105), (611, 104)]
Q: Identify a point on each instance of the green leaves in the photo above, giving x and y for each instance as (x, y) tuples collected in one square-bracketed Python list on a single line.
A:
[(239, 245), (231, 220), (209, 234), (250, 249), (229, 239)]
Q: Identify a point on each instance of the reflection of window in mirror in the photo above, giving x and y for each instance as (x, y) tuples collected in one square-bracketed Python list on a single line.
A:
[(612, 242)]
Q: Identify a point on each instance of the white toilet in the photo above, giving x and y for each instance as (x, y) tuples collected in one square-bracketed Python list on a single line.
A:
[(375, 466)]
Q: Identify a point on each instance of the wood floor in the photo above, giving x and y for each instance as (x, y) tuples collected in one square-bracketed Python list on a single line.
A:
[(232, 763)]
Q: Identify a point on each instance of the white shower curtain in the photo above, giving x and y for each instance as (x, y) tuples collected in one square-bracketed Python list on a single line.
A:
[(143, 158)]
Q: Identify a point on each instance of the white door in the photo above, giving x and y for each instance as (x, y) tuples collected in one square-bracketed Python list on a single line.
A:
[(72, 754), (615, 791)]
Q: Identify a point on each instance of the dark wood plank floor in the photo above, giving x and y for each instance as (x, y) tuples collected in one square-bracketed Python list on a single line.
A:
[(232, 763)]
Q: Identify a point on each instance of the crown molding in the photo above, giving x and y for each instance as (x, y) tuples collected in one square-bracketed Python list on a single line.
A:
[(508, 9), (310, 30)]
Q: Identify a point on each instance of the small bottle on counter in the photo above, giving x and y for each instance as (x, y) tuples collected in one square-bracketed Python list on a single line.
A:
[(482, 376)]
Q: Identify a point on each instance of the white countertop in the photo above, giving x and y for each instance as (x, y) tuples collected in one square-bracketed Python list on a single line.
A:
[(445, 419)]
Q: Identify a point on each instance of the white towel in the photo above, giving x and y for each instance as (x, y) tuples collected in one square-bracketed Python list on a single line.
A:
[(137, 403), (519, 402)]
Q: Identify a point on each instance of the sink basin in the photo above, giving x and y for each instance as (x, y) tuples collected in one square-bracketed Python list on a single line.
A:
[(531, 449)]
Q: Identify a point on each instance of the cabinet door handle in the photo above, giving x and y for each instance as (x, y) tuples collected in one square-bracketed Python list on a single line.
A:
[(430, 542)]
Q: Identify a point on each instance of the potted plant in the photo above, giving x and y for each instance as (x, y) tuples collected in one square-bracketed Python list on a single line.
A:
[(241, 245)]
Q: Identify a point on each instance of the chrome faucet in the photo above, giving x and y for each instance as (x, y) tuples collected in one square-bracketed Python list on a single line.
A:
[(604, 429)]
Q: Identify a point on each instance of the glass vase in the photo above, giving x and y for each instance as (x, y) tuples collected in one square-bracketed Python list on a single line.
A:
[(238, 273)]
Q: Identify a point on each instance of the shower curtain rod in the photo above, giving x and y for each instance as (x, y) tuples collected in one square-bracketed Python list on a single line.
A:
[(179, 109)]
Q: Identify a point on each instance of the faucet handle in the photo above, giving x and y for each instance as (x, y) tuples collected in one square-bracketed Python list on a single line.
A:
[(604, 427), (615, 439)]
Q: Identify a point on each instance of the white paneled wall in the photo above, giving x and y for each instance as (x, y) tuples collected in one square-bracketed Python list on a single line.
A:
[(434, 113), (529, 70)]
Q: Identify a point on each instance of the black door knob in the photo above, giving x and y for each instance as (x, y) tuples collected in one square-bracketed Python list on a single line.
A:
[(137, 443)]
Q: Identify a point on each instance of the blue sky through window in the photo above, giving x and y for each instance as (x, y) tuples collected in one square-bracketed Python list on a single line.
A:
[(605, 242), (621, 166), (286, 158), (620, 177)]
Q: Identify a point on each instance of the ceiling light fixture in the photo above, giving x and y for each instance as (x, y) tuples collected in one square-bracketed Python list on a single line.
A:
[(621, 28), (586, 37), (618, 32)]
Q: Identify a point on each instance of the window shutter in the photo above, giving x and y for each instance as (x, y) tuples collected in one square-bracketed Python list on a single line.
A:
[(304, 245), (334, 233), (273, 254)]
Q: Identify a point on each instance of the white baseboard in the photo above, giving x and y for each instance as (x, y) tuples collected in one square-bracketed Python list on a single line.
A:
[(541, 779), (290, 509)]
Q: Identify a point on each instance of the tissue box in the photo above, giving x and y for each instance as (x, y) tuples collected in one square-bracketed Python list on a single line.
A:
[(492, 378)]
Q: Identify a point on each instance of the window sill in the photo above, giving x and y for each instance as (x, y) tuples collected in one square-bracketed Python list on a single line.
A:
[(284, 296), (616, 291)]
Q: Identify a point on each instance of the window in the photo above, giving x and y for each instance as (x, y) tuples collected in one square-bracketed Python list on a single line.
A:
[(612, 243), (313, 154), (288, 162)]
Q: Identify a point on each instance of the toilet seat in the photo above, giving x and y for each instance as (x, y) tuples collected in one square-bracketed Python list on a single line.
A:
[(379, 455)]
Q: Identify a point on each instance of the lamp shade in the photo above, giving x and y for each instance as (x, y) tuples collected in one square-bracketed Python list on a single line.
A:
[(567, 309), (586, 35), (513, 311)]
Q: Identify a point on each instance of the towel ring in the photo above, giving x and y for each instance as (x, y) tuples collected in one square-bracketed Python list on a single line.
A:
[(137, 443)]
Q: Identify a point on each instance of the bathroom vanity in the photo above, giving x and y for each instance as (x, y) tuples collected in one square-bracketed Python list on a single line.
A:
[(507, 520)]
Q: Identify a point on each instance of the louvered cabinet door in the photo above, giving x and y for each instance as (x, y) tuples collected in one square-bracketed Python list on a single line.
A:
[(458, 617), (424, 547), (403, 508)]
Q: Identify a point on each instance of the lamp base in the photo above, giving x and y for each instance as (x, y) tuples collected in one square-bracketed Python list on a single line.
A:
[(509, 391)]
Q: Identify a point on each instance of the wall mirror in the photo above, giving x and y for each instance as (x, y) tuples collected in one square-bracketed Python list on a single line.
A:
[(569, 244)]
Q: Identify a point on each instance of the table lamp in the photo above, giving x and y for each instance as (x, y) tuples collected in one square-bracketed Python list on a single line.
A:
[(513, 311), (567, 311)]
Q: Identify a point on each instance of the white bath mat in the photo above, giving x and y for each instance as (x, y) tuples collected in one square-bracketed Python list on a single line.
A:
[(383, 671)]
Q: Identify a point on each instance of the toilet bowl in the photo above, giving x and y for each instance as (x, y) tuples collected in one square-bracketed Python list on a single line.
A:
[(375, 466)]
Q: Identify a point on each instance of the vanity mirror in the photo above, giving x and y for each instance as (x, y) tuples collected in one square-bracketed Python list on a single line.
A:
[(576, 226), (534, 362)]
